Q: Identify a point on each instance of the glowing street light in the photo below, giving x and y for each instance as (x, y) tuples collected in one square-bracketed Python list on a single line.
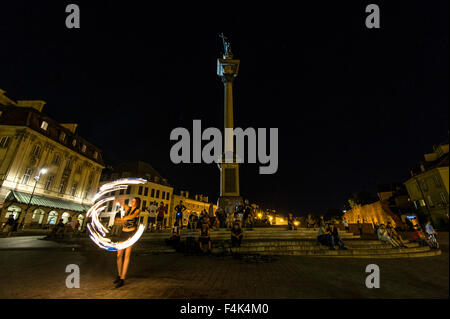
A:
[(43, 171)]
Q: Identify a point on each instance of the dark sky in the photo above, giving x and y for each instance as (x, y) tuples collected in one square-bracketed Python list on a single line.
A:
[(355, 107)]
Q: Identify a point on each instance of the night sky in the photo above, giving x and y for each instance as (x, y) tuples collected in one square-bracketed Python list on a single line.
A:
[(355, 107)]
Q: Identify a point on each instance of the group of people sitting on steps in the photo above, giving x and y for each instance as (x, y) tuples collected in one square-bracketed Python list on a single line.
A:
[(328, 235), (204, 243), (389, 235)]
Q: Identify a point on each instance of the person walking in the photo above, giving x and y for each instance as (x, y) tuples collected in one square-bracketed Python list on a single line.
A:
[(129, 222)]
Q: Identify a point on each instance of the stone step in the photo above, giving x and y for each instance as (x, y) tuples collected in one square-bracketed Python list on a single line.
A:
[(323, 250)]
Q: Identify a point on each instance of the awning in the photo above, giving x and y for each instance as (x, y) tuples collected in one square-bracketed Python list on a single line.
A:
[(24, 198)]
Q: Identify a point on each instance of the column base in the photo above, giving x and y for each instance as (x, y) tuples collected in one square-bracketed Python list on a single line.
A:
[(234, 200)]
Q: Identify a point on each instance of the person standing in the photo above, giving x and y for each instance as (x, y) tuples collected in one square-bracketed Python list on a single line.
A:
[(344, 221), (179, 209), (160, 216), (8, 227), (129, 222), (360, 228), (152, 216)]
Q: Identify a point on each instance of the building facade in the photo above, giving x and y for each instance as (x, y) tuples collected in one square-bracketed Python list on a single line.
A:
[(47, 171), (157, 189), (428, 186)]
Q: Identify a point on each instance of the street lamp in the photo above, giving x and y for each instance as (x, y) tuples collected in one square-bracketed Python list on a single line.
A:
[(43, 171)]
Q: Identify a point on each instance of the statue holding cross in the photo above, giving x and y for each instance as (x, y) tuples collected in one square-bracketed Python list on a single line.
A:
[(226, 46)]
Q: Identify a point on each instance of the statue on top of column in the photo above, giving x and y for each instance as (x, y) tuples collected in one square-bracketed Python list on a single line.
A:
[(226, 46)]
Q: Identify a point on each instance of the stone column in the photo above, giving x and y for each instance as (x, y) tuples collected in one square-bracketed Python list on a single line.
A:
[(227, 70)]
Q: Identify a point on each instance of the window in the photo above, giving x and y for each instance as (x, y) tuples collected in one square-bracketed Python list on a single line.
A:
[(146, 191), (163, 195), (129, 190), (126, 201), (74, 189), (444, 199), (152, 194), (83, 148), (157, 193), (4, 142), (95, 154), (168, 196), (144, 205), (79, 169), (62, 137), (27, 175), (74, 142), (56, 159), (121, 192), (49, 182), (140, 190), (36, 150), (422, 202), (69, 164), (44, 125), (62, 186)]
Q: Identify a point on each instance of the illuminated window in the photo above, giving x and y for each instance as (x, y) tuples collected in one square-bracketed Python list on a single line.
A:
[(4, 142), (49, 182), (95, 154), (422, 202), (62, 186), (44, 125), (74, 142), (83, 148), (27, 175)]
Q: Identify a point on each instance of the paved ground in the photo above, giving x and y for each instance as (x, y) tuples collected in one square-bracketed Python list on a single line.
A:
[(41, 274)]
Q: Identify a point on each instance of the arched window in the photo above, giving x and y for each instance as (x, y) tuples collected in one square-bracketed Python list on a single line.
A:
[(65, 217), (38, 216), (52, 217), (13, 210)]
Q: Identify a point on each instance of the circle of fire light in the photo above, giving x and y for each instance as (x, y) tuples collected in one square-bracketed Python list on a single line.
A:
[(96, 229)]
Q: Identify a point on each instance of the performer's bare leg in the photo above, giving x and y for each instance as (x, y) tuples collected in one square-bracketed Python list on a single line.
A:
[(126, 261), (119, 262)]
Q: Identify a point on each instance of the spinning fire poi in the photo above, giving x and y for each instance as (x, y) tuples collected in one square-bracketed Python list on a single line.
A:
[(128, 220)]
